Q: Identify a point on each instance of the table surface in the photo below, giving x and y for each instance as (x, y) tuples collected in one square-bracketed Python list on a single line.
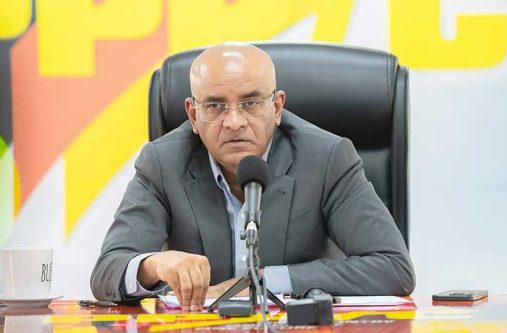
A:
[(487, 315)]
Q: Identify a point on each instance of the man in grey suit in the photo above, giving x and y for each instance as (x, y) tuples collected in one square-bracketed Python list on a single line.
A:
[(179, 221)]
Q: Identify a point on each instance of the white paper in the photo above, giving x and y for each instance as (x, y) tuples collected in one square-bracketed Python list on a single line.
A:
[(172, 301), (372, 301)]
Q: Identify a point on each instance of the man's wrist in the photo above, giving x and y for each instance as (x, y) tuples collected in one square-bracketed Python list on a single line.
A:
[(147, 274)]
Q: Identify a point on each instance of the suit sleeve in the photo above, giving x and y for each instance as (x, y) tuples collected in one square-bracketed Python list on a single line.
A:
[(140, 225), (377, 260)]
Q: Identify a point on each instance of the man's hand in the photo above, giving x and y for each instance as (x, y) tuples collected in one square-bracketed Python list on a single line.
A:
[(187, 274), (217, 290)]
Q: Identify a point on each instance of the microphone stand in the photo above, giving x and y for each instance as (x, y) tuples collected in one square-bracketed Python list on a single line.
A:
[(247, 281)]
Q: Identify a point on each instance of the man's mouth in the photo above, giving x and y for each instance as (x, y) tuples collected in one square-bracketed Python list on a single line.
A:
[(236, 140)]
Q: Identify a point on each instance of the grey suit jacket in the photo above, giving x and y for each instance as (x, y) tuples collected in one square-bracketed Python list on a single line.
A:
[(318, 199)]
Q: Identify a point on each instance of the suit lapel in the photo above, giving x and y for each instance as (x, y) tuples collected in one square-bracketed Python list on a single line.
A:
[(208, 206), (276, 203)]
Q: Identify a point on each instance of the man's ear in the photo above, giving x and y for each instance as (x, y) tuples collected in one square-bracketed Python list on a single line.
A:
[(190, 109), (279, 101)]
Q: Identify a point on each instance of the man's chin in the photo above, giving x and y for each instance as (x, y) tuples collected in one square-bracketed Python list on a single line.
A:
[(233, 158), (238, 156)]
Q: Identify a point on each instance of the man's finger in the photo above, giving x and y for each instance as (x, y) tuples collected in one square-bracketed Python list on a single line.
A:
[(205, 271), (197, 284), (185, 290), (174, 283)]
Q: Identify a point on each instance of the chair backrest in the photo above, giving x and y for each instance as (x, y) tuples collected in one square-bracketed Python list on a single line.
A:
[(356, 93)]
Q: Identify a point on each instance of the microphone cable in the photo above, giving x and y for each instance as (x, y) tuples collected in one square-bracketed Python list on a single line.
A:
[(258, 289)]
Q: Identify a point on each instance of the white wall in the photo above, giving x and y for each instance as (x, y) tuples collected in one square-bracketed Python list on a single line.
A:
[(458, 160)]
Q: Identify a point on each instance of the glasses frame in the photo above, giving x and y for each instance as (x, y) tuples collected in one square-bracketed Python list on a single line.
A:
[(198, 106)]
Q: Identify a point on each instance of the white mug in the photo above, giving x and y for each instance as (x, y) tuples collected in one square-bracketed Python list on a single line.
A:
[(27, 272)]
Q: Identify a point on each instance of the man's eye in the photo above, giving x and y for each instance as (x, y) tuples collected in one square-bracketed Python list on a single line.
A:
[(213, 107), (250, 104)]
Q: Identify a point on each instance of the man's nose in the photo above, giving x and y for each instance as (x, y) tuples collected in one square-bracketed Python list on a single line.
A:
[(234, 118)]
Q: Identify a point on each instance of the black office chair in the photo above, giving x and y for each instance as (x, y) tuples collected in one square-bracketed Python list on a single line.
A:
[(357, 93)]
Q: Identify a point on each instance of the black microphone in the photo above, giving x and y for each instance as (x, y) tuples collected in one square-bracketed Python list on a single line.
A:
[(253, 176)]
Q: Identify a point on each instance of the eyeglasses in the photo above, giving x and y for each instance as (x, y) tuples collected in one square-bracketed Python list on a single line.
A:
[(250, 109)]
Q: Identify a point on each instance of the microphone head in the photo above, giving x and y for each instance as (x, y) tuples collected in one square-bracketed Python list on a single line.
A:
[(253, 169)]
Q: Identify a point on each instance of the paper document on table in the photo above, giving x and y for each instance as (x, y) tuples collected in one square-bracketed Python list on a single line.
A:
[(372, 301), (172, 301)]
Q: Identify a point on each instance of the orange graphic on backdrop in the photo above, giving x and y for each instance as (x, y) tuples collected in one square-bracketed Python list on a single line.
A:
[(48, 113)]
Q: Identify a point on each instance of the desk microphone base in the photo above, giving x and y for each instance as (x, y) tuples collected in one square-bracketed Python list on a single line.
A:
[(241, 284)]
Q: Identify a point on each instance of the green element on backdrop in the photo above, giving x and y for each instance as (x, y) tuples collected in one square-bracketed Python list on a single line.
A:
[(6, 191), (3, 147)]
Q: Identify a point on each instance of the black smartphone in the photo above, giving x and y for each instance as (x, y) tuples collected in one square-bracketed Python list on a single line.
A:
[(460, 295)]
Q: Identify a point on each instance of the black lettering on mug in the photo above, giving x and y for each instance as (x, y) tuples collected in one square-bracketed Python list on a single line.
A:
[(47, 269)]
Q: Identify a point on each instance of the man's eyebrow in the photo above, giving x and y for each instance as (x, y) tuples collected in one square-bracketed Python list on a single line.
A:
[(255, 93), (251, 94), (214, 99)]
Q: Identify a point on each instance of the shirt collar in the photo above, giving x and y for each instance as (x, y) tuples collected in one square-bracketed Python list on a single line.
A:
[(217, 172)]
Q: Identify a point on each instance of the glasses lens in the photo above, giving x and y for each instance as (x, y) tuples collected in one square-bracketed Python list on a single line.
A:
[(253, 108), (213, 111)]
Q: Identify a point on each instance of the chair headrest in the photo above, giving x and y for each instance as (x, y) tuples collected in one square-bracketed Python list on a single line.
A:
[(322, 81)]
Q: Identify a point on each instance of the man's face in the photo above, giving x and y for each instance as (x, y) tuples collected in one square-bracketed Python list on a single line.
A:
[(234, 137)]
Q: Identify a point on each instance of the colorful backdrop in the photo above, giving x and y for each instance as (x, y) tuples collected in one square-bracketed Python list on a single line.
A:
[(74, 81)]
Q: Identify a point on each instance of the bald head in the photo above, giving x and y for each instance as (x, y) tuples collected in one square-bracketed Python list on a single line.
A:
[(241, 76), (233, 62)]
